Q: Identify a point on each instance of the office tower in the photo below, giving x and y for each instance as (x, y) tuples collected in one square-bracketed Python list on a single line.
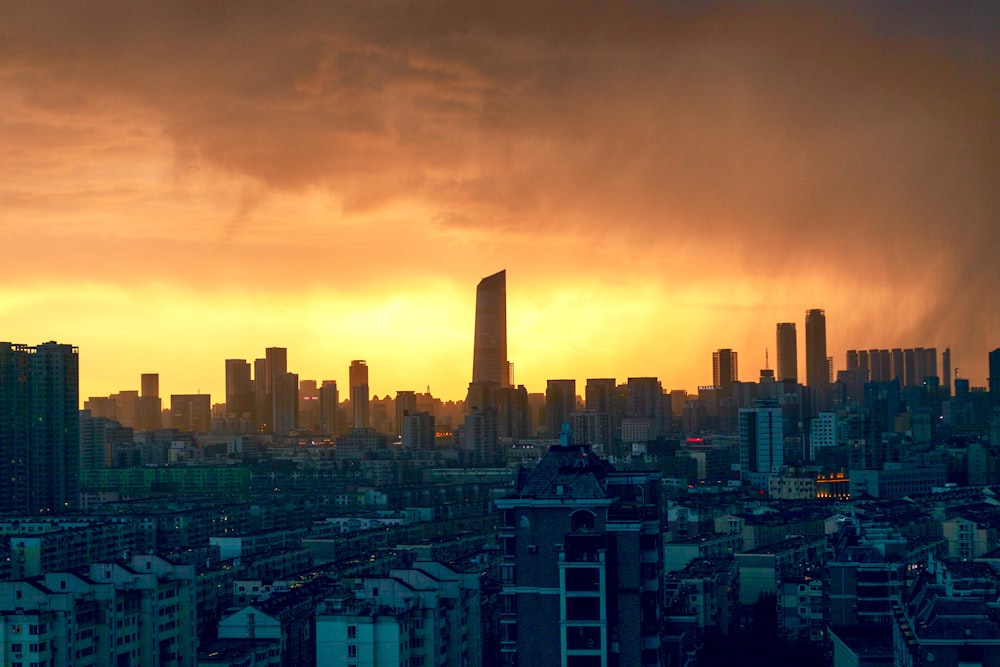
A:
[(909, 367), (946, 371), (191, 412), (580, 569), (788, 352), (994, 379), (358, 375), (601, 401), (600, 395), (817, 367), (417, 431), (39, 427), (262, 402), (864, 365), (644, 401), (239, 389), (724, 369), (762, 443), (329, 406), (489, 353), (285, 402), (149, 408), (480, 438), (560, 404), (897, 370), (931, 363), (513, 413), (852, 360), (406, 403)]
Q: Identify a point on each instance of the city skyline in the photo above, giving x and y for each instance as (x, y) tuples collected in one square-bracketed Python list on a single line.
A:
[(185, 184)]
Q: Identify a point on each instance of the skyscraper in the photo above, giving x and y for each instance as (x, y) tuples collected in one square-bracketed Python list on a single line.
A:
[(560, 404), (788, 352), (39, 427), (817, 366), (239, 389), (762, 443), (724, 369), (358, 375), (149, 407), (489, 353), (994, 379)]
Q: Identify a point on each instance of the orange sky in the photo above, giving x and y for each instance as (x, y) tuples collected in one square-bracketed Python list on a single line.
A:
[(182, 183)]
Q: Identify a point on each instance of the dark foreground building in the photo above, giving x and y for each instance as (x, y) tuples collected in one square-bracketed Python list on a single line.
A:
[(581, 551)]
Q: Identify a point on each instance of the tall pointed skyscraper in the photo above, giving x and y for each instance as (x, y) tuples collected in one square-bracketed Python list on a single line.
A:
[(489, 354)]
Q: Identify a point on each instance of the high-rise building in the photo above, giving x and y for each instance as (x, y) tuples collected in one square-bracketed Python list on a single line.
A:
[(724, 369), (191, 412), (358, 375), (788, 352), (39, 427), (149, 408), (817, 366), (239, 389), (581, 553), (285, 402), (560, 404), (489, 353), (946, 371), (406, 403), (994, 379), (762, 443), (329, 406), (644, 401)]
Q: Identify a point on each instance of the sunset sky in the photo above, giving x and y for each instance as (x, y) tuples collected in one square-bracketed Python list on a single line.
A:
[(182, 183)]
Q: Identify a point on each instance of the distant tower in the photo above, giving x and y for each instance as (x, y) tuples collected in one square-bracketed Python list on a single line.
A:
[(149, 405), (560, 404), (489, 353), (946, 371), (788, 353), (817, 366), (359, 393), (239, 389), (724, 369), (994, 379)]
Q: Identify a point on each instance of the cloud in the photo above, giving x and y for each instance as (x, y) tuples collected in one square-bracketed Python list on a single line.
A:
[(845, 153)]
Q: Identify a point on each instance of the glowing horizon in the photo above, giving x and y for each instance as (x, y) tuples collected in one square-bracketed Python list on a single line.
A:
[(187, 183)]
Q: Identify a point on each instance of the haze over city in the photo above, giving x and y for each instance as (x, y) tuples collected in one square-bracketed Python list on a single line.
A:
[(184, 183)]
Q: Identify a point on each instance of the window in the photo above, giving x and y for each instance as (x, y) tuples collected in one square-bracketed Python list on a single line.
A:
[(352, 632), (352, 651)]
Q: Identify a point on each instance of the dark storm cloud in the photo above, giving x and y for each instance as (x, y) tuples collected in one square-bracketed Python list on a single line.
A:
[(859, 141)]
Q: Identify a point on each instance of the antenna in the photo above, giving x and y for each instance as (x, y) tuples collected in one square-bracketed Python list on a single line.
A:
[(766, 365)]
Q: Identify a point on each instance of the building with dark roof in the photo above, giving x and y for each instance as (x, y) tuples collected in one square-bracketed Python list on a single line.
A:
[(581, 564)]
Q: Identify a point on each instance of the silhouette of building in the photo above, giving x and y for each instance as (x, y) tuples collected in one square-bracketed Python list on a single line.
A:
[(191, 412), (788, 352), (329, 408), (581, 549), (560, 404), (724, 369), (817, 365), (994, 379), (239, 390), (285, 402), (489, 353), (39, 427), (360, 395)]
